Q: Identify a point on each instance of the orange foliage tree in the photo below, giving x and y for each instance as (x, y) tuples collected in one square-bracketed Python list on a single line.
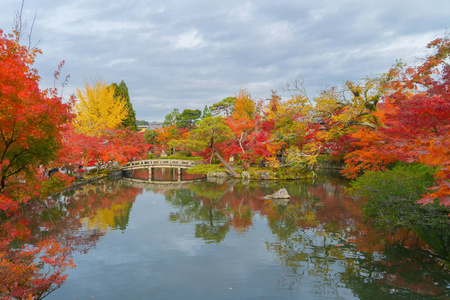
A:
[(250, 140), (31, 119), (31, 128), (416, 123)]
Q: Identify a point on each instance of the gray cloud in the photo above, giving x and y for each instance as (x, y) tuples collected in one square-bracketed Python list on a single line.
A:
[(188, 54)]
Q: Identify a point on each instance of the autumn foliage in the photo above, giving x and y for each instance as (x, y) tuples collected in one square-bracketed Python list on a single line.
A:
[(37, 134), (31, 120), (415, 123), (98, 108), (402, 115)]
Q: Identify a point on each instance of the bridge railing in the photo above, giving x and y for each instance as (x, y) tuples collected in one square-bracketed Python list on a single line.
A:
[(176, 163)]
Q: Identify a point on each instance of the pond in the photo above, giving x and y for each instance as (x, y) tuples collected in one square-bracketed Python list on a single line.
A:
[(135, 239)]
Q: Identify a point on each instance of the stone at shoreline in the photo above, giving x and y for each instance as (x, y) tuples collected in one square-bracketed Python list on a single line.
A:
[(245, 175), (264, 175), (218, 180), (216, 174), (280, 194)]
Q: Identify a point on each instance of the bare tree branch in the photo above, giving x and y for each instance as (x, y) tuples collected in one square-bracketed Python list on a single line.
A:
[(20, 25), (31, 33)]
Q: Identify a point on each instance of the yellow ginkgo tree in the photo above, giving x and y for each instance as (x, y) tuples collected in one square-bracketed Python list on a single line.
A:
[(97, 108)]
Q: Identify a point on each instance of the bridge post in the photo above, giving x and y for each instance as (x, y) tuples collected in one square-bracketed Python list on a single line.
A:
[(150, 174), (179, 174)]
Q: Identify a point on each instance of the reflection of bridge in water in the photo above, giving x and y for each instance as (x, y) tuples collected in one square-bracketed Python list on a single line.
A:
[(142, 183), (151, 164)]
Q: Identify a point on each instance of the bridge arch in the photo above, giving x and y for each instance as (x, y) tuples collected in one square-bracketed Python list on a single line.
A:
[(150, 164)]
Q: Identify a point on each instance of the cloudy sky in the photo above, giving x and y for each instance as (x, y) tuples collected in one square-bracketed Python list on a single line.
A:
[(188, 54)]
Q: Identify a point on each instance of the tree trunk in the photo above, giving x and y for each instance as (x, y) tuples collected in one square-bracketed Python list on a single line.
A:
[(223, 161), (240, 142)]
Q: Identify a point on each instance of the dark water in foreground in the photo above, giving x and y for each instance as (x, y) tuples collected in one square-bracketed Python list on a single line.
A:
[(209, 240)]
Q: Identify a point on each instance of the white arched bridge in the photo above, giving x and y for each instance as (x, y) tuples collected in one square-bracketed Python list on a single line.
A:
[(150, 164)]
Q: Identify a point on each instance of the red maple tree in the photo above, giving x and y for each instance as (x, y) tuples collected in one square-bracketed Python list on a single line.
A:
[(416, 123)]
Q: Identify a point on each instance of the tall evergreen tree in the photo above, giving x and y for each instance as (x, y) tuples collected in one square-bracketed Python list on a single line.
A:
[(121, 90)]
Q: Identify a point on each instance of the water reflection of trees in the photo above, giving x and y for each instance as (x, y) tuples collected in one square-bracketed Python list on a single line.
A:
[(400, 273), (321, 234), (233, 204), (327, 239), (208, 214), (37, 243)]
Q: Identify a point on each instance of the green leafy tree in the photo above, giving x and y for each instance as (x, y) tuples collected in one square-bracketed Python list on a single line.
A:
[(392, 195), (142, 122), (224, 107), (188, 118), (210, 131), (206, 112), (150, 136), (121, 91), (171, 118)]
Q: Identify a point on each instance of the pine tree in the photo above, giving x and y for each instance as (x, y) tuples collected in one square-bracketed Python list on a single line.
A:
[(121, 91)]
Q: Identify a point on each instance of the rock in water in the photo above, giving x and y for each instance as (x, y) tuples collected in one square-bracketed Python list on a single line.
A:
[(281, 194)]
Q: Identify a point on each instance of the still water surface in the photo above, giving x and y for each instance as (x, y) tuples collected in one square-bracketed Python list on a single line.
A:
[(223, 240)]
